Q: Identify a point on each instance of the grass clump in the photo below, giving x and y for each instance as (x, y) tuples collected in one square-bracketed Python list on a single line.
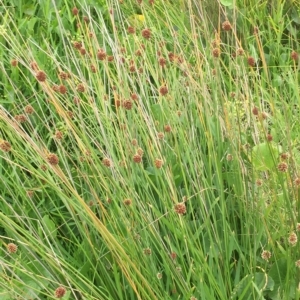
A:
[(149, 150)]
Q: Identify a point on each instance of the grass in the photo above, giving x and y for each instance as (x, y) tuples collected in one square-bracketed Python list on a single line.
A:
[(149, 151)]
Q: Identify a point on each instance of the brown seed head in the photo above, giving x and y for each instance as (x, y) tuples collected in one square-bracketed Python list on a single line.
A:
[(259, 182), (93, 69), (52, 159), (29, 109), (63, 75), (55, 88), (269, 137), (70, 114), (106, 162), (77, 45), (140, 151), (60, 292), (134, 97), (216, 52), (134, 142), (110, 58), (75, 11), (180, 208), (240, 52), (284, 156), (41, 76), (158, 163), (294, 56), (282, 167), (117, 102), (138, 52), (29, 194), (162, 62), (127, 202), (12, 248), (76, 101), (131, 30), (80, 88), (14, 62), (173, 255), (132, 68), (160, 135), (266, 255), (297, 263), (127, 104), (137, 158), (82, 51), (171, 56), (292, 239), (62, 89), (251, 61), (297, 182), (163, 90), (59, 135), (226, 26), (146, 33), (255, 111), (21, 118), (101, 54), (86, 19), (5, 146), (167, 128)]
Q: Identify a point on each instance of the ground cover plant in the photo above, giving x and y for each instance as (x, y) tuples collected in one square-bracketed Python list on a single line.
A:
[(149, 149)]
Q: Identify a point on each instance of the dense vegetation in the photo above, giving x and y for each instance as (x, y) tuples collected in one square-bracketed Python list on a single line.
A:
[(149, 149)]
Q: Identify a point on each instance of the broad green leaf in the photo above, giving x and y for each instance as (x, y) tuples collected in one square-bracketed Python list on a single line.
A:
[(50, 225), (263, 281), (278, 271), (227, 2), (263, 156)]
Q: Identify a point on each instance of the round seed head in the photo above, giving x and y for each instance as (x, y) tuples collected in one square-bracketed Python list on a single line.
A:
[(158, 163), (163, 90), (52, 159), (14, 62), (294, 55), (107, 162), (75, 11), (5, 146), (180, 208), (251, 61), (41, 76), (226, 26), (12, 248), (60, 292), (62, 89), (29, 109), (131, 30), (146, 33), (137, 158)]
